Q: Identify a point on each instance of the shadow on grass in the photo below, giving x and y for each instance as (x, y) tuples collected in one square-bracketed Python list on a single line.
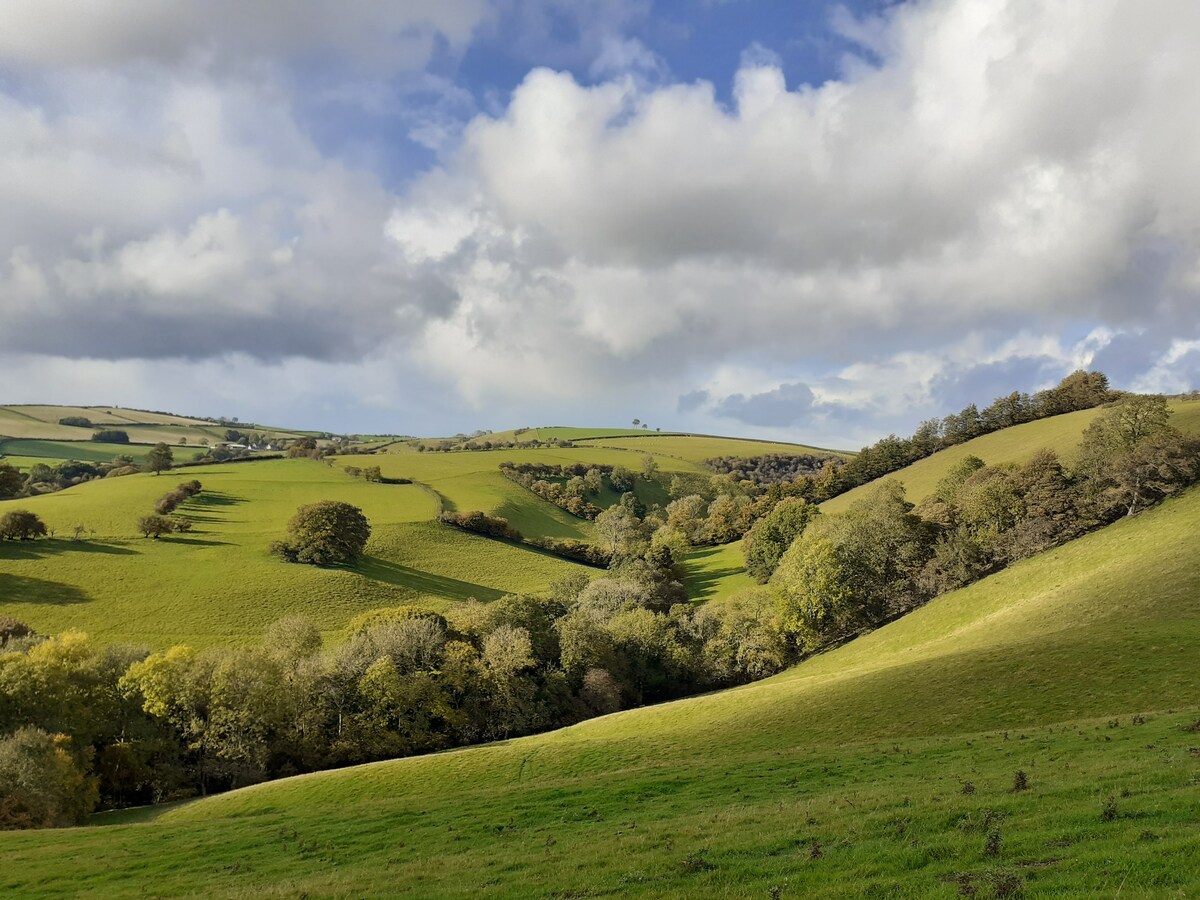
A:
[(55, 546), (439, 585), (700, 584), (195, 542), (20, 589), (207, 498)]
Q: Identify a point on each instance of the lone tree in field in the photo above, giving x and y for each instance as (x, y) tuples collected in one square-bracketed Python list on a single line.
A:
[(159, 459), (324, 534), (21, 525)]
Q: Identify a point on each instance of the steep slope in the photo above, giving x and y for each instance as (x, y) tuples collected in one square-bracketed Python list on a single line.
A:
[(882, 768), (1016, 445)]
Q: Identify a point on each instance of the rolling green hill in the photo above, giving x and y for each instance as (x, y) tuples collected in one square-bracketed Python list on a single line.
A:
[(218, 583), (84, 451), (1016, 444), (696, 448), (143, 427), (884, 768)]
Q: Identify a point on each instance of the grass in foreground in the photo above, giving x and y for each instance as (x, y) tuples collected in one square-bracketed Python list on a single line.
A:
[(885, 768)]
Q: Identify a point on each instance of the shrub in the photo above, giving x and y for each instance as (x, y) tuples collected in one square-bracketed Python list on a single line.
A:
[(387, 615), (155, 526), (21, 525), (481, 523), (569, 548), (326, 533), (12, 629)]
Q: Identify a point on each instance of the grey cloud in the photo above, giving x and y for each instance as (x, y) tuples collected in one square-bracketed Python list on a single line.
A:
[(787, 405), (691, 401), (956, 385), (389, 34)]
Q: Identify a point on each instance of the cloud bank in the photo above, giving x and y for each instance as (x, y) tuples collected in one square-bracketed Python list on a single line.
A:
[(990, 193)]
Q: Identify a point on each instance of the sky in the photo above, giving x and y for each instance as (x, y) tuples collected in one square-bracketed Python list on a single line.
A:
[(809, 221)]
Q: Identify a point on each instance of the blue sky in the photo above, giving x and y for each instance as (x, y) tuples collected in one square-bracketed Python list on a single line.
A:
[(810, 221)]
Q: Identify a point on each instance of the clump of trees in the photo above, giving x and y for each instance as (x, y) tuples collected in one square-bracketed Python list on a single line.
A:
[(479, 522), (148, 727), (76, 421), (771, 468), (771, 536), (847, 573), (498, 527), (326, 533), (1079, 390), (171, 500), (161, 522), (21, 525), (42, 478), (43, 781), (111, 436), (569, 487)]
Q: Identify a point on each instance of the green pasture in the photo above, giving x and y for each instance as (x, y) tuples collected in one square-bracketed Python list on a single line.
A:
[(32, 421), (218, 583), (84, 450), (884, 768), (716, 573)]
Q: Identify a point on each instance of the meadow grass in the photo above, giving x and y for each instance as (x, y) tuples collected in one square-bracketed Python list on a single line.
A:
[(884, 768), (218, 583), (716, 573), (1010, 445), (469, 480)]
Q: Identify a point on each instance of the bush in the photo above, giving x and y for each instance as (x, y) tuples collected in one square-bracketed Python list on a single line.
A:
[(11, 629), (580, 551), (388, 615), (155, 526), (21, 525), (481, 523), (326, 533), (111, 436)]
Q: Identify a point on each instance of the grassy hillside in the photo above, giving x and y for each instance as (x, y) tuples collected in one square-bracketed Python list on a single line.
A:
[(142, 426), (472, 480), (878, 769), (85, 451), (1016, 444), (696, 448), (218, 583)]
